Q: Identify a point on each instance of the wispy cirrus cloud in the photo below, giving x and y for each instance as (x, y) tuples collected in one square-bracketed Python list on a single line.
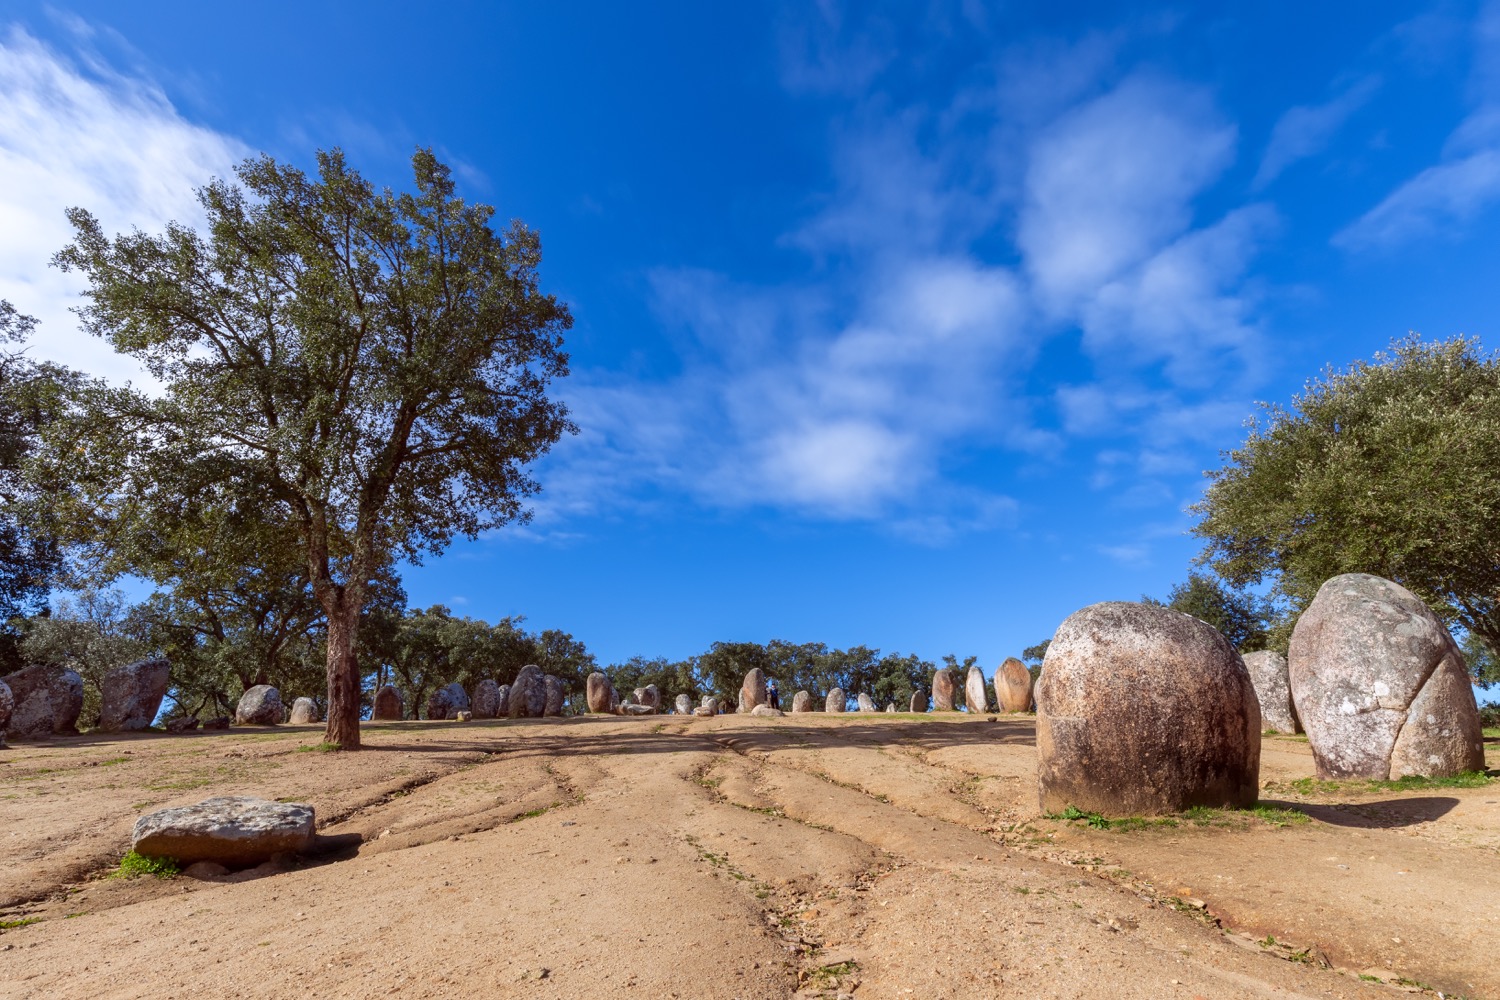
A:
[(75, 132), (1308, 129), (1450, 194)]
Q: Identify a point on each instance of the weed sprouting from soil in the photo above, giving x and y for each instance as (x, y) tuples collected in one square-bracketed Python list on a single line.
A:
[(10, 925), (1196, 816), (134, 865)]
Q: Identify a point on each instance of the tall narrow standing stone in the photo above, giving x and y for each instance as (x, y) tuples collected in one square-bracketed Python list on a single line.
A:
[(974, 694), (388, 704), (1268, 671), (599, 692), (919, 700), (836, 701), (943, 686), (683, 704), (802, 702), (866, 703), (132, 694), (528, 693), (557, 694), (484, 700), (1013, 686), (753, 690), (304, 712)]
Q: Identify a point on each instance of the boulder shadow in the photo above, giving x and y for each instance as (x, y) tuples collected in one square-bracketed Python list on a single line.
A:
[(1383, 814)]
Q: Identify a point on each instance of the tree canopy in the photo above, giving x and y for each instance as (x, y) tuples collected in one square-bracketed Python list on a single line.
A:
[(351, 377), (1240, 617), (1391, 467)]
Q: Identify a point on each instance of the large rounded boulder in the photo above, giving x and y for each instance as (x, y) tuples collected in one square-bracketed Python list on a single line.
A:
[(304, 712), (648, 696), (753, 690), (599, 692), (944, 684), (683, 704), (1380, 686), (1013, 686), (447, 701), (484, 700), (132, 694), (388, 704), (528, 693), (836, 701), (1273, 687), (48, 700), (260, 706), (1143, 710), (976, 699)]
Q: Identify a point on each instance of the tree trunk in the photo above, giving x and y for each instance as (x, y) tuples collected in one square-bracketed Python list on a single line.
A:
[(343, 679)]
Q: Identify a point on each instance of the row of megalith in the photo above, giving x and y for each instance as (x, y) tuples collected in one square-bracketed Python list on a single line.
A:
[(45, 700)]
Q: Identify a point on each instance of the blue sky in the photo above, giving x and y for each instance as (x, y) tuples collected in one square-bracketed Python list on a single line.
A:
[(913, 328)]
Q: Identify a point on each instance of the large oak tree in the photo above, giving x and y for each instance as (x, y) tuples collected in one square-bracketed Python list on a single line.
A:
[(360, 373)]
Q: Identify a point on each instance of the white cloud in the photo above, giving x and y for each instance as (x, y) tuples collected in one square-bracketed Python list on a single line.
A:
[(93, 138), (1448, 195), (1113, 180), (1306, 130)]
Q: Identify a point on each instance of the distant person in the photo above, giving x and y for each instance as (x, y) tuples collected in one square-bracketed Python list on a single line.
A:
[(773, 697)]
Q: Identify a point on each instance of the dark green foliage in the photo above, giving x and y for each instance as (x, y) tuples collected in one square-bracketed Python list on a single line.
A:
[(134, 865), (1241, 617), (351, 377), (1389, 467)]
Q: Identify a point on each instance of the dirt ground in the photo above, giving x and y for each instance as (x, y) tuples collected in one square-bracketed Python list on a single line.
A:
[(812, 856)]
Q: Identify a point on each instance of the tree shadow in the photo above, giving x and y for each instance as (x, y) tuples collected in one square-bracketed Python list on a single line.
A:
[(1385, 814)]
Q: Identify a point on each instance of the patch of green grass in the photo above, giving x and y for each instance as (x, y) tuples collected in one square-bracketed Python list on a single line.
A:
[(319, 748), (1409, 783), (826, 977), (113, 761), (534, 813), (10, 925), (134, 865)]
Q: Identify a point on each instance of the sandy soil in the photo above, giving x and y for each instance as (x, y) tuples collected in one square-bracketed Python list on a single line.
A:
[(867, 856)]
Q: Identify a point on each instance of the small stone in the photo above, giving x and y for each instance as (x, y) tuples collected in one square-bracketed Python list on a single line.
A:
[(463, 716), (217, 722), (767, 712), (205, 870), (182, 724)]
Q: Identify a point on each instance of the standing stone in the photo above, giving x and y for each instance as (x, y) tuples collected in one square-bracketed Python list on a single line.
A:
[(684, 704), (802, 702), (234, 830), (484, 700), (710, 703), (890, 706), (836, 701), (304, 712), (975, 697), (47, 700), (557, 694), (528, 693), (132, 694), (1273, 687), (7, 705), (866, 703), (597, 692), (260, 706), (446, 702), (1013, 686), (1380, 686), (753, 690), (502, 703), (1143, 710), (614, 701), (943, 686), (919, 700), (648, 696), (388, 704)]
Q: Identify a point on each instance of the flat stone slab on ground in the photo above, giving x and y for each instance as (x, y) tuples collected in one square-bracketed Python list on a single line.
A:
[(231, 830)]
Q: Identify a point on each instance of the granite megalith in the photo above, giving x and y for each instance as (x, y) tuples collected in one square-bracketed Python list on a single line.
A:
[(1013, 686), (766, 711), (528, 693), (802, 702), (919, 700), (557, 695), (447, 701), (7, 705), (304, 712), (753, 690), (260, 706), (976, 698), (866, 703), (1380, 687), (1142, 710), (648, 696), (683, 704), (388, 704), (944, 683), (836, 701), (597, 692), (1273, 688), (231, 830), (47, 701), (132, 694), (484, 700)]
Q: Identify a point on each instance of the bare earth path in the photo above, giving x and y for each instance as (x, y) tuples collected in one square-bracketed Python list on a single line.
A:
[(882, 856)]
